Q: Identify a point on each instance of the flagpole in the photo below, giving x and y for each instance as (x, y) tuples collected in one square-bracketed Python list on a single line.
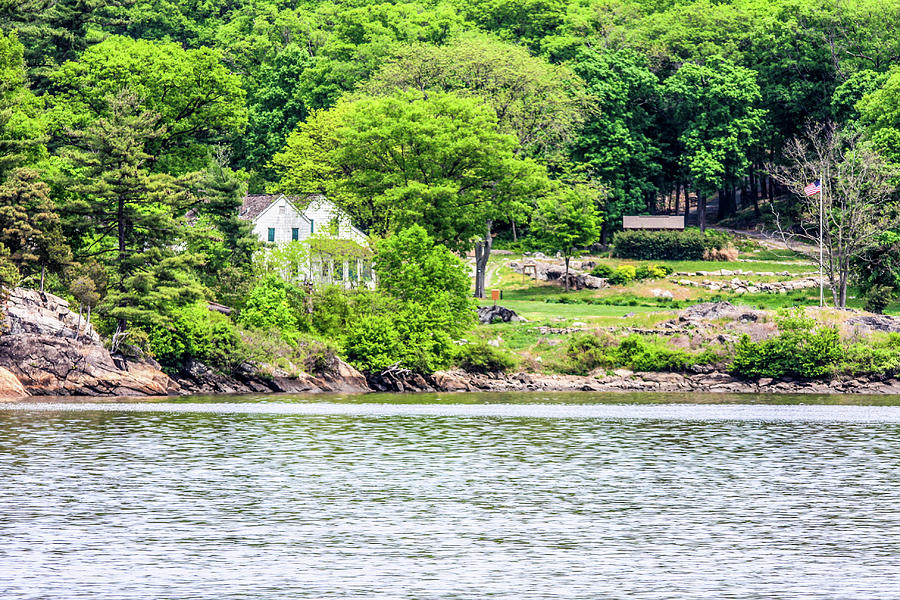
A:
[(821, 241)]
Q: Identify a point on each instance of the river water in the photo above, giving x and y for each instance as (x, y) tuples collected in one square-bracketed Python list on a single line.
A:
[(512, 496)]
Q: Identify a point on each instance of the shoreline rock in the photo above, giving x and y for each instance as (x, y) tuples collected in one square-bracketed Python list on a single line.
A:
[(623, 380), (48, 350)]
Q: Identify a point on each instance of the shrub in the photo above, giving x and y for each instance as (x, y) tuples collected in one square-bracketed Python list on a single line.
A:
[(199, 333), (411, 336), (622, 275), (878, 298), (585, 352), (643, 354), (483, 358), (274, 304), (877, 355), (602, 270), (799, 350), (650, 272), (689, 244)]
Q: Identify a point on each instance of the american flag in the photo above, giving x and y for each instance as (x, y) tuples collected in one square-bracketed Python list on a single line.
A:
[(813, 188)]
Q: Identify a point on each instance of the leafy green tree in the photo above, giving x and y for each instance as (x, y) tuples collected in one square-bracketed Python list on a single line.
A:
[(275, 106), (540, 103), (215, 232), (272, 305), (411, 268), (716, 104), (880, 113), (617, 145), (22, 127), (434, 159), (525, 21), (30, 226), (567, 221), (193, 98), (359, 38), (430, 307)]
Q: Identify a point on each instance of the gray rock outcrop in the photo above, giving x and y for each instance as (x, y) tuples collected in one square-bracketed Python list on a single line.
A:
[(493, 314), (52, 352)]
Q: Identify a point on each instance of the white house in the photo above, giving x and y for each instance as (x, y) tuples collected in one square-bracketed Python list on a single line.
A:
[(278, 219)]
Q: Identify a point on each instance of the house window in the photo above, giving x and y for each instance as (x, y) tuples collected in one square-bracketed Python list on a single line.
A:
[(312, 228), (271, 234), (295, 233), (281, 209)]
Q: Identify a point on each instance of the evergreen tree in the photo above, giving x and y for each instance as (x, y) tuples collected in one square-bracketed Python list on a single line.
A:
[(129, 211), (30, 226)]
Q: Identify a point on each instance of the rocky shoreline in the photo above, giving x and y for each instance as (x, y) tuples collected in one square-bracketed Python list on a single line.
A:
[(47, 350), (624, 380)]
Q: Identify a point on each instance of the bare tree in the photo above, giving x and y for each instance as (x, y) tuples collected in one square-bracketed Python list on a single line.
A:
[(855, 204)]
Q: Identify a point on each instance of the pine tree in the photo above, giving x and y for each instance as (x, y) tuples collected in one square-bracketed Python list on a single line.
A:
[(30, 226), (129, 212)]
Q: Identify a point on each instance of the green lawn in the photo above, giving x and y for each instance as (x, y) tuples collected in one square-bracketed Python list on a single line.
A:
[(540, 311)]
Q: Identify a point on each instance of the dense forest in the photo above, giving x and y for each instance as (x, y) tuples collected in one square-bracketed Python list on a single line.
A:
[(454, 121)]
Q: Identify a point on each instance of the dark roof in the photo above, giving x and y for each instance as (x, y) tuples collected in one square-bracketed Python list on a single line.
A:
[(254, 204)]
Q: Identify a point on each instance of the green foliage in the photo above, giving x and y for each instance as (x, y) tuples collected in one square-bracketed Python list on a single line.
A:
[(799, 350), (585, 352), (412, 269), (567, 220), (29, 224), (716, 105), (431, 306), (588, 351), (602, 270), (622, 275), (689, 244), (878, 298), (456, 170), (877, 355), (413, 337), (540, 103), (479, 357), (193, 98), (22, 125), (196, 332), (274, 304)]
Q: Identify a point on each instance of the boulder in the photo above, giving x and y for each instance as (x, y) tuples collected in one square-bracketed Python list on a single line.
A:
[(708, 311), (883, 323), (493, 314), (10, 386)]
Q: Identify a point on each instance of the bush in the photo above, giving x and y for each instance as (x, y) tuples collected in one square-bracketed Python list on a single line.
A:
[(585, 352), (483, 358), (622, 275), (651, 272), (411, 336), (602, 270), (799, 350), (877, 355), (642, 354), (878, 298), (274, 304), (689, 244), (199, 333)]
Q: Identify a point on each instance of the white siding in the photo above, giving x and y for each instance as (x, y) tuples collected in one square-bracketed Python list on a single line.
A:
[(283, 217), (322, 212)]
